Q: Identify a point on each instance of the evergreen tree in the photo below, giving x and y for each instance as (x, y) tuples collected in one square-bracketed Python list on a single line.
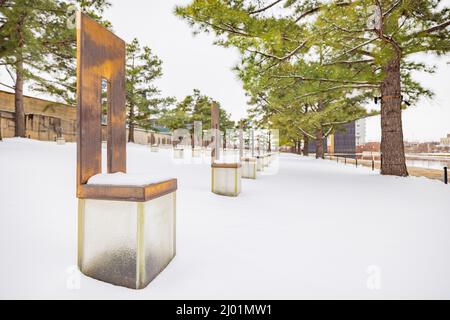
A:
[(350, 54), (39, 48), (195, 107), (143, 97)]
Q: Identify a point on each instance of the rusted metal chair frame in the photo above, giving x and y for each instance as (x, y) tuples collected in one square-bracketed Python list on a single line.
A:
[(101, 56)]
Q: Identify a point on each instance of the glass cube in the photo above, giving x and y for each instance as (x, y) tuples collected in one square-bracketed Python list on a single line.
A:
[(197, 152), (249, 168), (266, 160), (126, 243), (226, 181), (178, 153), (260, 163)]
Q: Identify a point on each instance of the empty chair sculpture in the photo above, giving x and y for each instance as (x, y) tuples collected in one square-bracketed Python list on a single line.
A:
[(225, 176), (126, 223)]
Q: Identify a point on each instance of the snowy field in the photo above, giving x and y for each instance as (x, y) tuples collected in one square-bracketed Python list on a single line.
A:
[(316, 229)]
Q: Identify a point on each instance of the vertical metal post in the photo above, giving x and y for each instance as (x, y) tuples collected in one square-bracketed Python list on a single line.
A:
[(198, 131), (241, 140), (356, 163), (445, 175), (253, 142), (373, 165), (215, 134)]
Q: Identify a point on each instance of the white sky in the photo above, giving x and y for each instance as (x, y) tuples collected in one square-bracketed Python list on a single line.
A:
[(188, 62), (194, 62)]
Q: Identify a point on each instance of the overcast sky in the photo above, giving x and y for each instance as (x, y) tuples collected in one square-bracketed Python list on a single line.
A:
[(194, 62)]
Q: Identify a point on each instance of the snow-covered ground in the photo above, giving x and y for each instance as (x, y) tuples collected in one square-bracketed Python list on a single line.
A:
[(316, 229)]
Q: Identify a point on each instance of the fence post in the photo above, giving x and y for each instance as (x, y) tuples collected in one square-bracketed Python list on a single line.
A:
[(345, 160), (445, 175), (356, 163), (373, 165)]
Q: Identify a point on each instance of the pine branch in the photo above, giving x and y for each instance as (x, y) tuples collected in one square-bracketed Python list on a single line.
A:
[(286, 57), (315, 9), (265, 8), (306, 133), (7, 86), (325, 80), (338, 88), (388, 11), (358, 47), (433, 29), (224, 29), (349, 62)]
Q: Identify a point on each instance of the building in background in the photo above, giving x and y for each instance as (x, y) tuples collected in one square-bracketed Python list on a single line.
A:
[(360, 132), (312, 145), (343, 141), (46, 120), (445, 142)]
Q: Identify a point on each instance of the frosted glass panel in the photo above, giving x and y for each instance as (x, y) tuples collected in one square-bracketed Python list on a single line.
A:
[(126, 243), (178, 153), (108, 246), (260, 164), (266, 160), (159, 229), (227, 181), (249, 169)]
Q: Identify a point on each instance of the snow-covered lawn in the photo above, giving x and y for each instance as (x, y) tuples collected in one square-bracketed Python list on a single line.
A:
[(316, 229)]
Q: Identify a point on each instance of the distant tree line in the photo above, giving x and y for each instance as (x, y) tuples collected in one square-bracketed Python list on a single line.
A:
[(311, 65)]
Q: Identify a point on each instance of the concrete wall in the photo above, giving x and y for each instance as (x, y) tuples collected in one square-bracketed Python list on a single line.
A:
[(46, 120)]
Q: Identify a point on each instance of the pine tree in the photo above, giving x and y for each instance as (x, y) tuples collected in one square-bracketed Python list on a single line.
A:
[(39, 48), (339, 37), (194, 107), (143, 97)]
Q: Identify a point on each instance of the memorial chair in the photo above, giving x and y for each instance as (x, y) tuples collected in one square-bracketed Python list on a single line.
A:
[(126, 223)]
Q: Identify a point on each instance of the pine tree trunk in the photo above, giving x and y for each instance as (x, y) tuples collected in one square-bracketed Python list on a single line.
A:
[(305, 145), (319, 144), (131, 125), (392, 146), (131, 132), (18, 101)]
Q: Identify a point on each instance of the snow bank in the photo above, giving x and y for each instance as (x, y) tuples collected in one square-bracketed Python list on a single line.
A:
[(317, 229)]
